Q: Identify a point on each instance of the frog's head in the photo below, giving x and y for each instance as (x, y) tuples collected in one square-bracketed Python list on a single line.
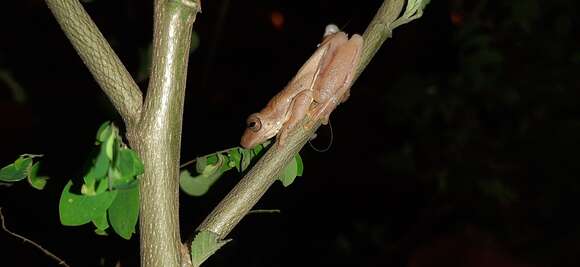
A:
[(259, 129)]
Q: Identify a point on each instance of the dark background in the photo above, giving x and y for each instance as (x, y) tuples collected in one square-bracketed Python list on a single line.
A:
[(458, 146)]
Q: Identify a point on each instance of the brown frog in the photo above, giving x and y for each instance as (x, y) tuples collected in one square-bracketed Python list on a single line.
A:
[(318, 87)]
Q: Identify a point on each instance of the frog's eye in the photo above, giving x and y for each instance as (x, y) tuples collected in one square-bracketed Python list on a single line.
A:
[(254, 123)]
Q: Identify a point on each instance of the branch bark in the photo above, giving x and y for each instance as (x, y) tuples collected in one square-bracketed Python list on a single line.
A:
[(158, 136), (99, 57), (153, 127), (230, 211)]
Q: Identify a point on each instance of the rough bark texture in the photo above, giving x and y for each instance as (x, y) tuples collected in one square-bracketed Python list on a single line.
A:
[(153, 127), (158, 139)]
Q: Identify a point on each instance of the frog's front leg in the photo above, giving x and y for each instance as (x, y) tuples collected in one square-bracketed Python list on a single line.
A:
[(297, 111)]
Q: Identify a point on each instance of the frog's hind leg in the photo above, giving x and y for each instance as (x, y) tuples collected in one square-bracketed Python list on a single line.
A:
[(323, 110), (297, 111)]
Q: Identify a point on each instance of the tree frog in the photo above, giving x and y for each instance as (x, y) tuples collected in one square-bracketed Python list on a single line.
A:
[(317, 88)]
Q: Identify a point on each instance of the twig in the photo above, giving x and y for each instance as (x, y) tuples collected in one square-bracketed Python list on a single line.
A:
[(264, 211), (213, 153), (26, 240)]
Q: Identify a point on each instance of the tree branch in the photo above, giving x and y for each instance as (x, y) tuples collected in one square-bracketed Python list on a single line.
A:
[(26, 240), (99, 57), (157, 138), (228, 213)]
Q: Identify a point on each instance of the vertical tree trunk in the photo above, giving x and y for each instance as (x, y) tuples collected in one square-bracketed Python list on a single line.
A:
[(158, 136)]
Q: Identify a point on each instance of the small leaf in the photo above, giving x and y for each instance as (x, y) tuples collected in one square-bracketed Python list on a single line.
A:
[(99, 170), (16, 171), (199, 185), (246, 158), (212, 159), (204, 245), (102, 187), (104, 132), (289, 173), (36, 181), (299, 165), (124, 212), (200, 164), (101, 223), (257, 149), (127, 167), (236, 157), (109, 144), (80, 209)]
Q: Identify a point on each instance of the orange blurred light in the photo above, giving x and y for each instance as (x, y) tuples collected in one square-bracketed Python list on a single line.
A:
[(277, 20), (456, 18)]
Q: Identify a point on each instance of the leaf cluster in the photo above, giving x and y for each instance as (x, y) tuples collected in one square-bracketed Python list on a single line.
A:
[(22, 168), (211, 167), (110, 192)]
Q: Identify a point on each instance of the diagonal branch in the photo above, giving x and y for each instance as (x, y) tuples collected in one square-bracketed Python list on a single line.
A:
[(228, 213), (99, 57), (26, 240)]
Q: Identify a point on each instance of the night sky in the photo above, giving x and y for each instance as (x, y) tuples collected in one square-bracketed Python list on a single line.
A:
[(459, 145)]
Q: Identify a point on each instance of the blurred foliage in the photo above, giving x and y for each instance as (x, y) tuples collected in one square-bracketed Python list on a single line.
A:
[(502, 122)]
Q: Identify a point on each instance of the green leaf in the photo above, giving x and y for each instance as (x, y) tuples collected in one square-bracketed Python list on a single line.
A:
[(257, 149), (36, 181), (236, 157), (246, 158), (104, 132), (101, 165), (109, 144), (200, 184), (102, 187), (124, 212), (200, 164), (127, 167), (204, 245), (101, 223), (80, 209), (16, 171), (299, 165), (289, 173), (212, 159)]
